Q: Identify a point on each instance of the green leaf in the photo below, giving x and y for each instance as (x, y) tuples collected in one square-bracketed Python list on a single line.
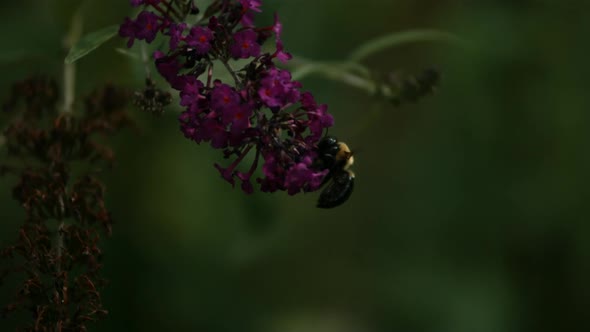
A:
[(127, 53), (400, 38), (90, 42)]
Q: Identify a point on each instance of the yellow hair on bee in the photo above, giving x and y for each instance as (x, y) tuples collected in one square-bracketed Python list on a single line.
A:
[(344, 154)]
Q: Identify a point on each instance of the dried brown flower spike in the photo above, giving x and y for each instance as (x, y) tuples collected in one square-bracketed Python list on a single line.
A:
[(57, 251)]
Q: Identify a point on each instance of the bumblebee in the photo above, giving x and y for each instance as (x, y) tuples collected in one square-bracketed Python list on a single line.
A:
[(337, 158)]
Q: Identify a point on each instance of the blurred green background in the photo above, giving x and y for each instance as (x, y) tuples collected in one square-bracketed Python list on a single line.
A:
[(470, 212)]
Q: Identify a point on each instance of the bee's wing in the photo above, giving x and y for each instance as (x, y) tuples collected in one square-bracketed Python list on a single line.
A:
[(337, 191)]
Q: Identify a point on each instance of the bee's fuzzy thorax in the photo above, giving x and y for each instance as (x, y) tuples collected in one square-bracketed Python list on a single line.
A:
[(345, 155), (337, 157)]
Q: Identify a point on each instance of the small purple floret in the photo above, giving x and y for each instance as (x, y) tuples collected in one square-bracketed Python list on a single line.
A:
[(224, 99), (249, 7), (277, 89), (176, 31), (147, 26), (245, 45), (200, 39)]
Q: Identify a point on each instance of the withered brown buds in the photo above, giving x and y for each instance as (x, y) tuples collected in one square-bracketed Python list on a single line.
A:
[(57, 254)]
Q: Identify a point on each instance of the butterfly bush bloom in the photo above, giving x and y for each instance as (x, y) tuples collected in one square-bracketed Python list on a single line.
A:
[(200, 39), (260, 111), (245, 45)]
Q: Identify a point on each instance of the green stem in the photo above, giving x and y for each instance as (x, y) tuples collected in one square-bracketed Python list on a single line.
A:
[(209, 75), (231, 71), (69, 79), (335, 72), (69, 87), (145, 59), (69, 83), (399, 38), (351, 73)]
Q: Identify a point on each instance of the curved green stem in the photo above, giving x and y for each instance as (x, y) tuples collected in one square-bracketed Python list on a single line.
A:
[(399, 38), (348, 72), (303, 66), (336, 72)]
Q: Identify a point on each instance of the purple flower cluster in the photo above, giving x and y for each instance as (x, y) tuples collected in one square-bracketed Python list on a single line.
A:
[(263, 111)]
